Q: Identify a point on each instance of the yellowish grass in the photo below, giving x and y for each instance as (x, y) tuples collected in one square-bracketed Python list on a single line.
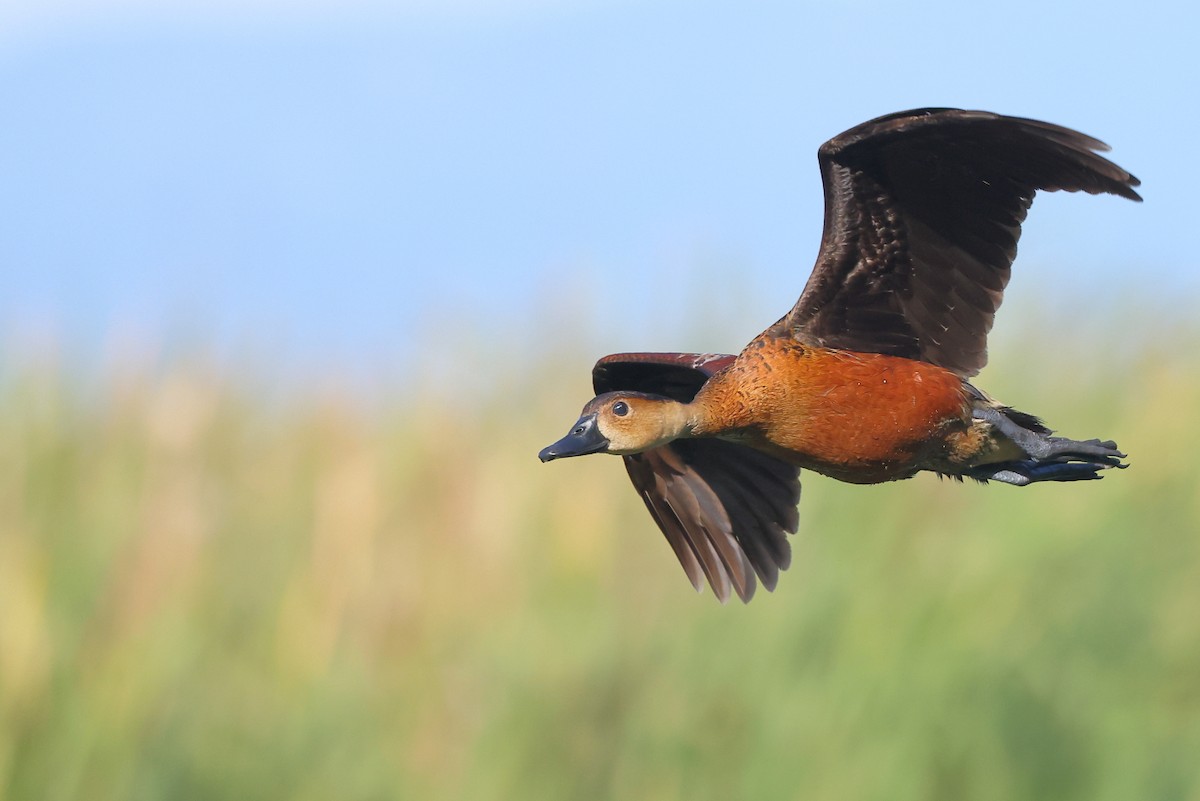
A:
[(208, 595)]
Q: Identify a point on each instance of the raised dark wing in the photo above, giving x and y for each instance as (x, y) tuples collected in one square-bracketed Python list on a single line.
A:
[(923, 210), (725, 509)]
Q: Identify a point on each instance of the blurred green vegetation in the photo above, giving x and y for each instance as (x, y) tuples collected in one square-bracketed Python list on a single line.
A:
[(205, 594)]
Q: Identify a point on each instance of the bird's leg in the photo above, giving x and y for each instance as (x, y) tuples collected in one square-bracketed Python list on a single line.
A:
[(1049, 458)]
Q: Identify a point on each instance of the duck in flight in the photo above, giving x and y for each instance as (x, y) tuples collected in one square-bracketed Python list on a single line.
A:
[(865, 379)]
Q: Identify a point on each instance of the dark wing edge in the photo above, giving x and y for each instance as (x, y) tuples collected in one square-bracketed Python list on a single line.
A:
[(725, 509), (678, 376), (923, 211)]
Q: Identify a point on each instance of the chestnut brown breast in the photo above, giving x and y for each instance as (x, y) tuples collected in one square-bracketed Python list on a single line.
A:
[(860, 417)]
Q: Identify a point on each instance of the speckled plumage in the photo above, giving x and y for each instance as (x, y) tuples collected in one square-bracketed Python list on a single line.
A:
[(858, 417)]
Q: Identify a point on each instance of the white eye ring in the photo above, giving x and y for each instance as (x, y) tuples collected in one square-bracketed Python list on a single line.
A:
[(620, 408)]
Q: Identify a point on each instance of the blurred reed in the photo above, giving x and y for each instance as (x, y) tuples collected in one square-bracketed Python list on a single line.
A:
[(205, 594)]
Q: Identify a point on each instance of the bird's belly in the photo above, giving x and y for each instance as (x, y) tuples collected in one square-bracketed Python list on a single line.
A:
[(862, 418)]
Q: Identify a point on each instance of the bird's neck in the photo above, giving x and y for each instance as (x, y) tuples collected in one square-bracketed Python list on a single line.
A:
[(717, 409)]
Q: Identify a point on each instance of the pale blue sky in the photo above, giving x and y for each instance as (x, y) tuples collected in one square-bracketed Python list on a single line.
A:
[(323, 178)]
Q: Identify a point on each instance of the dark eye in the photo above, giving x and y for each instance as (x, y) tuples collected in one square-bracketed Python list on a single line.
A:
[(620, 408)]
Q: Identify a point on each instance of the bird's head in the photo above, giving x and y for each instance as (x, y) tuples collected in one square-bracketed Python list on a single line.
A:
[(622, 423)]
